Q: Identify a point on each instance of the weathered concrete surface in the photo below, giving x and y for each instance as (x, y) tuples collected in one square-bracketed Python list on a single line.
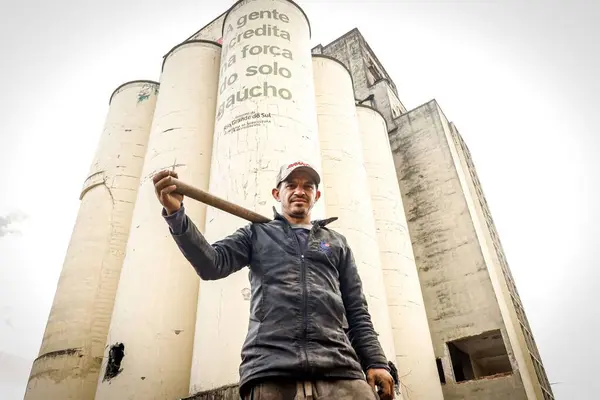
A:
[(459, 295), (73, 342), (343, 168), (230, 392), (493, 388), (415, 358), (526, 353), (368, 74)]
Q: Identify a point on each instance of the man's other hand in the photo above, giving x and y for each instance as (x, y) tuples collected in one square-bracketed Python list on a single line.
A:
[(165, 191), (381, 377)]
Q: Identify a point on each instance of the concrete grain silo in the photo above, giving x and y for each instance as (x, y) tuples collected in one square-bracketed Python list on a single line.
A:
[(266, 117), (345, 180), (415, 358), (149, 345), (74, 339)]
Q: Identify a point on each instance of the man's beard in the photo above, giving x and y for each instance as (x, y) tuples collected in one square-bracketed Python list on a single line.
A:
[(302, 212)]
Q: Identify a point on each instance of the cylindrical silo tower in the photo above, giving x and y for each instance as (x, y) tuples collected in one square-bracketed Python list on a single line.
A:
[(149, 344), (415, 358), (73, 343), (265, 117), (345, 180)]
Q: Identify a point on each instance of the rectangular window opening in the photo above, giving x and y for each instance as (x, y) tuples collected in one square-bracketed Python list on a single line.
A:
[(440, 369), (479, 356)]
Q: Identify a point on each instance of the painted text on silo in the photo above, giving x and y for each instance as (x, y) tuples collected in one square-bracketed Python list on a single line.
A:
[(263, 50)]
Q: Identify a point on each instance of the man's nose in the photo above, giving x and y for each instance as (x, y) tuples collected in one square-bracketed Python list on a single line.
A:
[(299, 191)]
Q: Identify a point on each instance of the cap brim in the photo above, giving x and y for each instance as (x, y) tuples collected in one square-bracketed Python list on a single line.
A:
[(314, 174)]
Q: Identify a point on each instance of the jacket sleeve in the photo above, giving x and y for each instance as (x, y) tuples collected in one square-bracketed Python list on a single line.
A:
[(215, 261), (361, 333)]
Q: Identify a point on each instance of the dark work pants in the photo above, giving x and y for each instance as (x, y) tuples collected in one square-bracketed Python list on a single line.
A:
[(320, 390)]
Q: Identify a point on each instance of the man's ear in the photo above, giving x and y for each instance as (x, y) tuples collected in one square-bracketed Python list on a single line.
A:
[(275, 193), (317, 196)]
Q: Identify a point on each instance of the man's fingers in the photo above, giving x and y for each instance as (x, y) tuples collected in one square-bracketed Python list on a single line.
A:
[(168, 190), (159, 175), (387, 390), (163, 174), (371, 381), (163, 183)]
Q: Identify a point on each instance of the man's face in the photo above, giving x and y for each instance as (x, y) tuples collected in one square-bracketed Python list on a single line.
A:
[(297, 194)]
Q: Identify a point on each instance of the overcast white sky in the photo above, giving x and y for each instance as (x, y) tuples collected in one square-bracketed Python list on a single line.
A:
[(519, 79)]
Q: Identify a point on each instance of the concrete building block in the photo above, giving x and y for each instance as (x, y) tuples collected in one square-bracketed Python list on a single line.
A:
[(457, 288)]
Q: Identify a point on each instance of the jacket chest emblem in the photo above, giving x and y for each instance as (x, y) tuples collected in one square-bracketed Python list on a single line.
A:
[(325, 247)]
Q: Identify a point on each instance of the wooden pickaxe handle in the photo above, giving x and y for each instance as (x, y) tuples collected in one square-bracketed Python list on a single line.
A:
[(216, 202)]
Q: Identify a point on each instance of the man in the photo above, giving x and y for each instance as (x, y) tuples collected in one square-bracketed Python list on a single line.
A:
[(310, 334)]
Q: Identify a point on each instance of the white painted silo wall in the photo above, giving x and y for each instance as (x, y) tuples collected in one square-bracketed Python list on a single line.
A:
[(266, 117), (415, 358), (73, 343), (345, 181), (155, 308)]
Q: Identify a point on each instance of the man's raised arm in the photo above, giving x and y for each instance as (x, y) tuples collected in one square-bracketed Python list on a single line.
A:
[(215, 261), (211, 262)]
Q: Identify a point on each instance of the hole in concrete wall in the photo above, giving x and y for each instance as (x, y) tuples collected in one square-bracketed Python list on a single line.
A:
[(246, 294), (479, 356), (461, 363), (440, 368), (115, 356)]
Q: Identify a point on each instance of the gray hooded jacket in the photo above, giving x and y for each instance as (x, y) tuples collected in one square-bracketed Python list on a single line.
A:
[(308, 314)]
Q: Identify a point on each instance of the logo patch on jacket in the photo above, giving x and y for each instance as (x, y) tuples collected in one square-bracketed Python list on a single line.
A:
[(325, 247)]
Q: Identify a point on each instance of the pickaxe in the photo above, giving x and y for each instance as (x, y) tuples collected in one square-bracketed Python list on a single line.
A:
[(216, 202)]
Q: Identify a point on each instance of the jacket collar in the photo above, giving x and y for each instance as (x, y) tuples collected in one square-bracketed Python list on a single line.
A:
[(319, 222)]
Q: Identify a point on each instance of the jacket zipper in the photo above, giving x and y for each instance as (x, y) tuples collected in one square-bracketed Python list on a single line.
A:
[(304, 288)]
